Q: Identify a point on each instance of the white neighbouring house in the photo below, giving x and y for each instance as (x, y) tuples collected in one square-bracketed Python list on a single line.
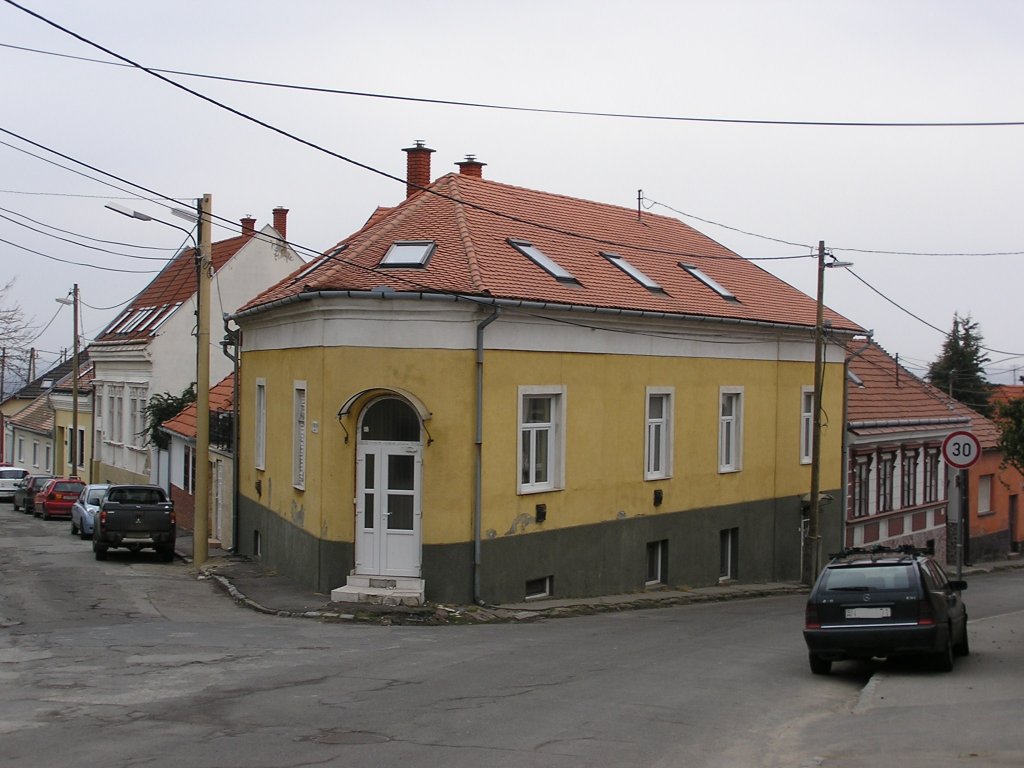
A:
[(150, 348)]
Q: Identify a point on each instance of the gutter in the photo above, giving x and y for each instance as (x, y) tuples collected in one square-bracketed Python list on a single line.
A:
[(479, 448), (936, 422), (388, 293)]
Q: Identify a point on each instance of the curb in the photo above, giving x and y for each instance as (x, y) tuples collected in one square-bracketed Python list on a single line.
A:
[(439, 614)]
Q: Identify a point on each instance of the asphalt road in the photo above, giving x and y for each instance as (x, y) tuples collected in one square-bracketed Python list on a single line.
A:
[(135, 662)]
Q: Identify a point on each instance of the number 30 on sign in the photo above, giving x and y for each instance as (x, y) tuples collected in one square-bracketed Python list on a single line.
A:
[(961, 449)]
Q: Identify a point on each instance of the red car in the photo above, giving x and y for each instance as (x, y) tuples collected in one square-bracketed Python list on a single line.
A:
[(57, 497)]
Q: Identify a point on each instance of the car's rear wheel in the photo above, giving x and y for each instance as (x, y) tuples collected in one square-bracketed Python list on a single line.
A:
[(46, 515), (963, 648), (99, 550), (84, 536), (944, 658), (74, 528), (819, 666), (166, 554)]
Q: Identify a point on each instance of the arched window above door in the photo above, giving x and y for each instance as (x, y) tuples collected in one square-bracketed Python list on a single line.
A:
[(390, 419)]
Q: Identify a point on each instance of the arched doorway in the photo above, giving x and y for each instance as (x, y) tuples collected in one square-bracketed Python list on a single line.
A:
[(388, 473)]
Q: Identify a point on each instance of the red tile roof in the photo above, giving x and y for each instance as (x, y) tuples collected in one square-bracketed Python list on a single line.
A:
[(892, 400), (37, 416), (471, 221), (175, 285), (1004, 393), (221, 399)]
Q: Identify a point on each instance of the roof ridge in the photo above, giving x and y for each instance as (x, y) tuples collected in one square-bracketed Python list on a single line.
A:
[(571, 198), (476, 278)]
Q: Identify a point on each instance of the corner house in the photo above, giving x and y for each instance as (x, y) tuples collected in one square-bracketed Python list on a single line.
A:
[(491, 393)]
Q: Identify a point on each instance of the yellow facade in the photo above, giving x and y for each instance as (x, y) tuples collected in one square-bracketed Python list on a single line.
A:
[(604, 434), (63, 426)]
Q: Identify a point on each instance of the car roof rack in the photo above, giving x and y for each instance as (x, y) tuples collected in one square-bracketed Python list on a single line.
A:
[(880, 550)]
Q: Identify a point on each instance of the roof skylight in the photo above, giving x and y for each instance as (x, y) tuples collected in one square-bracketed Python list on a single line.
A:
[(542, 260), (408, 253), (633, 272), (710, 282)]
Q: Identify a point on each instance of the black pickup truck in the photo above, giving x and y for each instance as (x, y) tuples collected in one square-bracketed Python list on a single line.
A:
[(133, 517)]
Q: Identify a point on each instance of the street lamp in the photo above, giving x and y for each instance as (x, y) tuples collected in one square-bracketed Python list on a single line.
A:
[(203, 218), (76, 460), (812, 537)]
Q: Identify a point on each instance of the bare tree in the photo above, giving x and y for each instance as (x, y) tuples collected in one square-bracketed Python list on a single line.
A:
[(16, 335)]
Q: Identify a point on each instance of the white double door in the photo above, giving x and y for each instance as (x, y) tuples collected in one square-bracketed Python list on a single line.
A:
[(388, 515)]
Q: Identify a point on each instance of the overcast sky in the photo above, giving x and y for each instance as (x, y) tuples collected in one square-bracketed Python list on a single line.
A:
[(949, 194)]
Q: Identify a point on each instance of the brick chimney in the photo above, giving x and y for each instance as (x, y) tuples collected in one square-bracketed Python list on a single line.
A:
[(417, 165), (248, 225), (471, 167), (281, 222)]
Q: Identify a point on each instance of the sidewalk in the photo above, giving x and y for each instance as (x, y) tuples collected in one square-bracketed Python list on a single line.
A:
[(252, 585)]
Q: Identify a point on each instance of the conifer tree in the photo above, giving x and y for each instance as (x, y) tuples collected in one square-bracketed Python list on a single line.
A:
[(960, 368)]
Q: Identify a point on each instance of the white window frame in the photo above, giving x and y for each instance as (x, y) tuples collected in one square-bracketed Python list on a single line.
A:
[(117, 416), (21, 450), (985, 495), (555, 429), (48, 458), (260, 449), (136, 415), (300, 457), (658, 433), (35, 453), (730, 430), (806, 424)]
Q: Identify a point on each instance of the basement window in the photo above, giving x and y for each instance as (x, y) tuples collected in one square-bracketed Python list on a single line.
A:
[(542, 260), (710, 282), (408, 253), (539, 588), (633, 272)]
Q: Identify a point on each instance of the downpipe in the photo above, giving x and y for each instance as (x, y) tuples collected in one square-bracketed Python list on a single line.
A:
[(479, 445)]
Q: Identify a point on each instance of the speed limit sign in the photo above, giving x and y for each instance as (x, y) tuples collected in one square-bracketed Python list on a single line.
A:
[(961, 449)]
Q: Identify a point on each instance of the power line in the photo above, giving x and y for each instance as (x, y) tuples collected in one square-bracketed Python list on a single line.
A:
[(509, 107), (67, 194), (831, 247), (724, 226), (83, 245), (80, 263), (79, 234), (379, 172)]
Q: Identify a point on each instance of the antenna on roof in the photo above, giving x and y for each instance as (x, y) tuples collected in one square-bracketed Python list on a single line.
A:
[(639, 202)]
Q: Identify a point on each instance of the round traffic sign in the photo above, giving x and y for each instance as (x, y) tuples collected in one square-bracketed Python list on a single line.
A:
[(961, 449)]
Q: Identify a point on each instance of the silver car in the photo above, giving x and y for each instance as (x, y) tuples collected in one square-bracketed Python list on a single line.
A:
[(10, 479), (83, 511)]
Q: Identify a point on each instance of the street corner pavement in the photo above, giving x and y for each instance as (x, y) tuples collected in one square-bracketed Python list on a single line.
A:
[(252, 585)]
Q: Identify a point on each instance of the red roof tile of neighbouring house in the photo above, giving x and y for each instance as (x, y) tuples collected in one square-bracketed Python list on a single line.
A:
[(37, 416), (175, 285), (885, 398), (1004, 393), (221, 399), (471, 221)]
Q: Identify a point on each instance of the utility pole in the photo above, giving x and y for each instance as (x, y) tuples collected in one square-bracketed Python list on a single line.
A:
[(810, 558), (76, 459), (813, 537), (200, 531), (3, 395)]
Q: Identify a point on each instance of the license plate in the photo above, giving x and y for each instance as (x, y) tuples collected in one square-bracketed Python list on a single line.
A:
[(136, 535), (868, 613)]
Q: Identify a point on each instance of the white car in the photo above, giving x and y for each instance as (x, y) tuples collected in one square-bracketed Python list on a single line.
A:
[(10, 479)]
